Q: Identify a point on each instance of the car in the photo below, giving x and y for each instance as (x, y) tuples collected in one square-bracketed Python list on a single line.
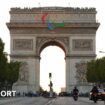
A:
[(63, 94), (101, 94)]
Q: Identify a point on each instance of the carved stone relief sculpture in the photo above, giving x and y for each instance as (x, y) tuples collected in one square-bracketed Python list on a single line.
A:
[(82, 44), (23, 44), (23, 73), (81, 69)]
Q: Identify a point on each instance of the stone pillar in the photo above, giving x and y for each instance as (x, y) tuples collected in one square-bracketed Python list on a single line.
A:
[(37, 73), (67, 72)]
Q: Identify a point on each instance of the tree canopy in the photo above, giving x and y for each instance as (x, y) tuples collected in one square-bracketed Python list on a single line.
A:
[(9, 71), (3, 62), (96, 70)]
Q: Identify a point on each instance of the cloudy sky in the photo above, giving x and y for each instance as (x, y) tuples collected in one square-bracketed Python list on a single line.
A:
[(98, 4)]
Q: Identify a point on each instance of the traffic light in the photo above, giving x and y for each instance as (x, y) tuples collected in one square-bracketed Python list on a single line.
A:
[(50, 75)]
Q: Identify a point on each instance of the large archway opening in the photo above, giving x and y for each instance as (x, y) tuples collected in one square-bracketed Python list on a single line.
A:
[(52, 61)]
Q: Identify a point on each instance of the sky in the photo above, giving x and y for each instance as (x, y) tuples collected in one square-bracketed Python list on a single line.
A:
[(52, 61), (5, 6)]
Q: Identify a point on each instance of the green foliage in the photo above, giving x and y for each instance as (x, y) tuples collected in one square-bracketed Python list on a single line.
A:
[(1, 46), (12, 74), (3, 62), (9, 72), (12, 71), (96, 70), (90, 71)]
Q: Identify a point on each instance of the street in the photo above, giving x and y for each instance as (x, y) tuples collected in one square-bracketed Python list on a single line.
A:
[(47, 101)]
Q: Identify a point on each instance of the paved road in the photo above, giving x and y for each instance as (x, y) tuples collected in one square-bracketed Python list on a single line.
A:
[(46, 101), (70, 101), (24, 101)]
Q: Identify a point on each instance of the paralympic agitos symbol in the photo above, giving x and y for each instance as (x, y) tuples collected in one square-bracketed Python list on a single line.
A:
[(50, 23)]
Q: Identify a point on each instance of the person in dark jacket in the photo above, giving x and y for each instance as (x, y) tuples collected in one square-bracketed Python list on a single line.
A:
[(94, 89), (75, 90)]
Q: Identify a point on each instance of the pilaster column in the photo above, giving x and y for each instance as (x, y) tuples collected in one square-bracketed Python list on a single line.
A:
[(67, 59), (37, 72)]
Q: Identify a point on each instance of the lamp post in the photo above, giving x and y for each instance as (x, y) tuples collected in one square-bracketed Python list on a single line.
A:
[(51, 85), (101, 51), (101, 54)]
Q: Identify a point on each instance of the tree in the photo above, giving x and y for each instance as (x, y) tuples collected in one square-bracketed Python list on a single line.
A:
[(96, 70), (3, 64), (101, 70), (1, 46), (12, 73), (9, 71), (90, 71)]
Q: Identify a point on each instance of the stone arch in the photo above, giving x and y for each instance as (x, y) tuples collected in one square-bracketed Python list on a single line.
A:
[(62, 42), (43, 42), (61, 48), (52, 43)]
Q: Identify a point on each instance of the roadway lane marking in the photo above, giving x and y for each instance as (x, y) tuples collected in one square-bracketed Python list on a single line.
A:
[(50, 102)]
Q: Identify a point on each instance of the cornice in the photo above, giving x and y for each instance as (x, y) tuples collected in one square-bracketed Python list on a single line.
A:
[(33, 25), (52, 10), (24, 56), (81, 55), (67, 56)]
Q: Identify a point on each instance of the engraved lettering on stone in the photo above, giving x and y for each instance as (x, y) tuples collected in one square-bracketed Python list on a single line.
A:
[(82, 44), (22, 44)]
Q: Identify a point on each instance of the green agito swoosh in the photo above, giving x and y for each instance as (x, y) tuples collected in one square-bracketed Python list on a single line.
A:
[(59, 24)]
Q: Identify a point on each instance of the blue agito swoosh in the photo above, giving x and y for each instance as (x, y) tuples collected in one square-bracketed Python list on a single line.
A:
[(50, 26)]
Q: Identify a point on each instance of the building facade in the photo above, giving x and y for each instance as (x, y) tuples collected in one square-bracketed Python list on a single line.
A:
[(33, 29)]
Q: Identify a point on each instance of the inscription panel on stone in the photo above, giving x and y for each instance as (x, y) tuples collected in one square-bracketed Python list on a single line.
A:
[(22, 44), (82, 44)]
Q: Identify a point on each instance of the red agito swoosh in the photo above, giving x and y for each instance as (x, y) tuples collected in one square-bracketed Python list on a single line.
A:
[(44, 17)]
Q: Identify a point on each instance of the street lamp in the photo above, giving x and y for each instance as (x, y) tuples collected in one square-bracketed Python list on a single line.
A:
[(101, 51), (51, 85), (101, 54)]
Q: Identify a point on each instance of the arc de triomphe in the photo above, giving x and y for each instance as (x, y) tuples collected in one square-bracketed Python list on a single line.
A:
[(33, 29)]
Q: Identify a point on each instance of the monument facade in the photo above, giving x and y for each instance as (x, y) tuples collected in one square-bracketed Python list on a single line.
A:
[(33, 29)]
